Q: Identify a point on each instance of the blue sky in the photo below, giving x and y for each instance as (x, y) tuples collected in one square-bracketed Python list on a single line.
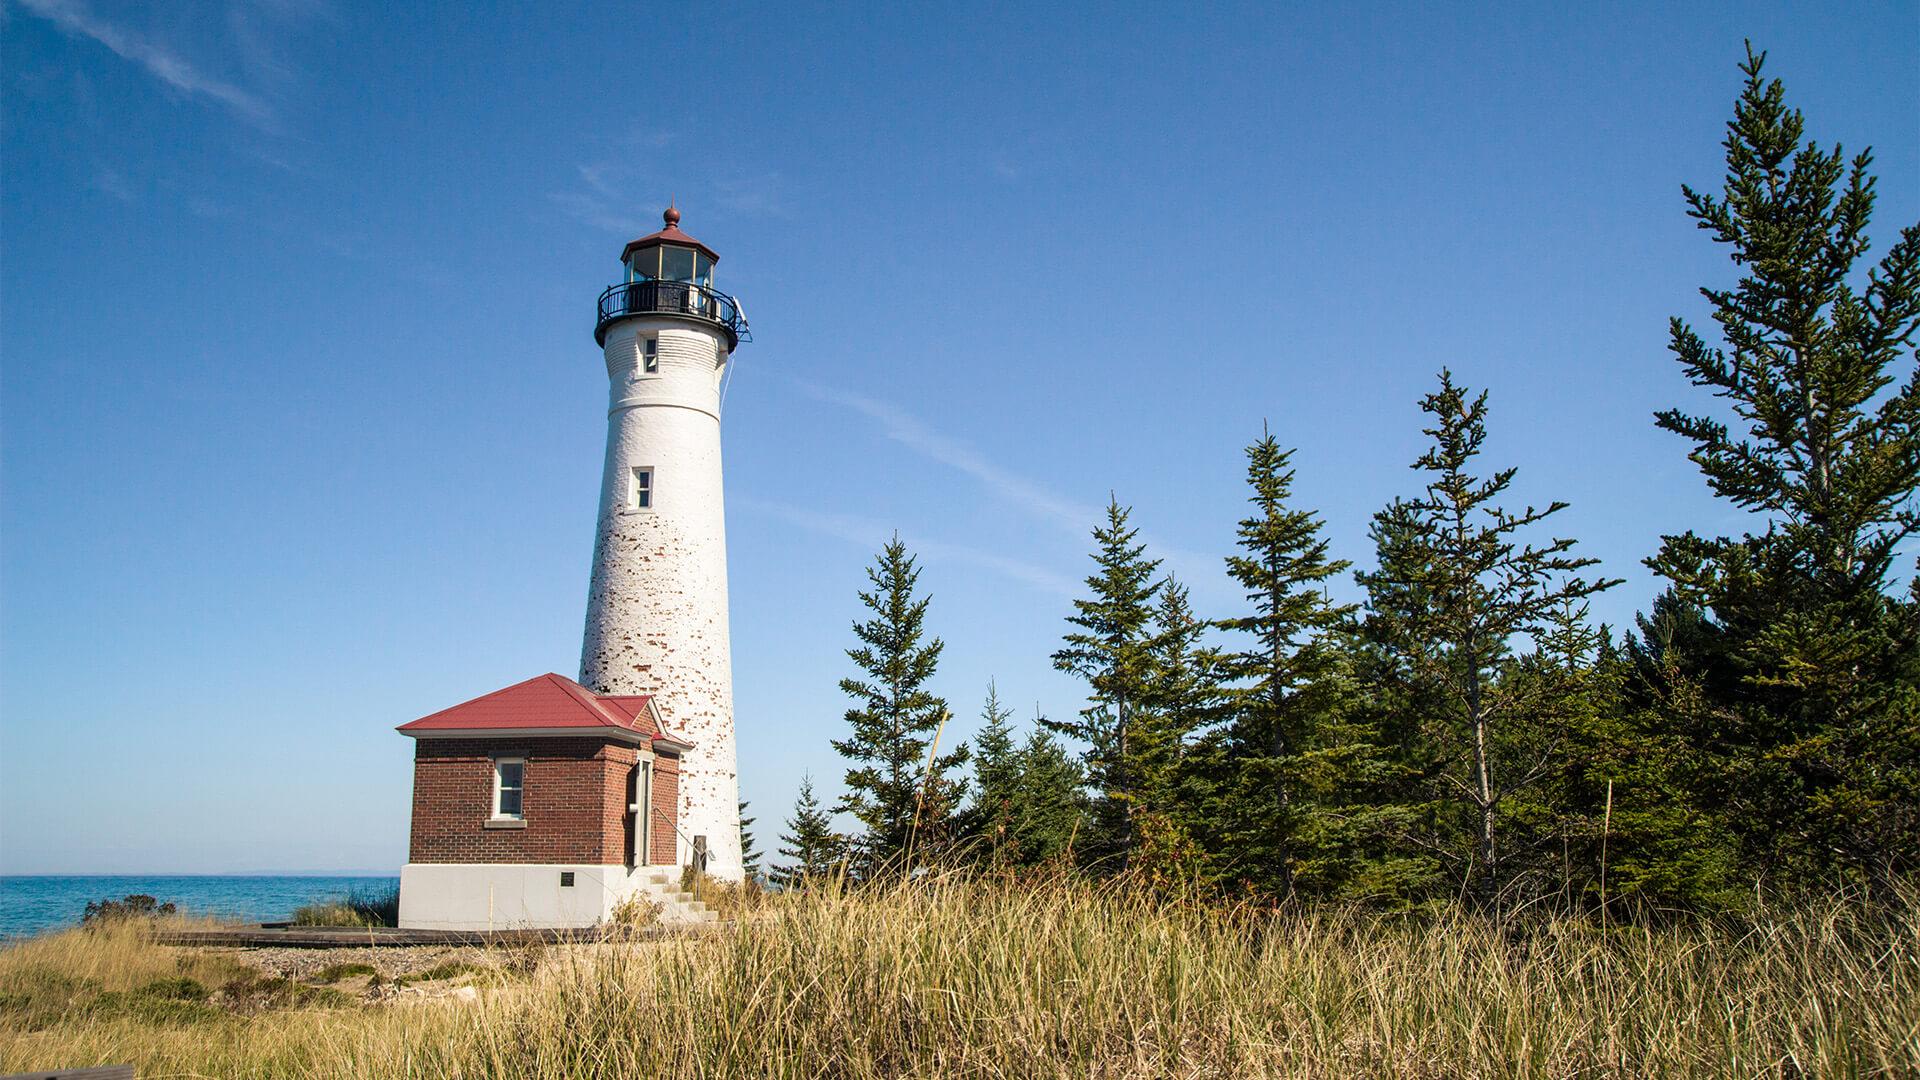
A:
[(303, 416)]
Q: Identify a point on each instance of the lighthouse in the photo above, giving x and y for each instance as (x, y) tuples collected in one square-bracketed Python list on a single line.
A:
[(657, 600), (551, 802)]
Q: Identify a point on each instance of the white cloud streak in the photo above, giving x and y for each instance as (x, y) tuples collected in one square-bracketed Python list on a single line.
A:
[(76, 18), (911, 432), (1197, 569), (872, 535)]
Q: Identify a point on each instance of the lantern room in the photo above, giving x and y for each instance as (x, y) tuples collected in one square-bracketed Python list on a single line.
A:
[(670, 273), (670, 255)]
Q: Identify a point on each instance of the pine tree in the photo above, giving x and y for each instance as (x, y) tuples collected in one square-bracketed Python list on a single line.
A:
[(1282, 690), (1027, 803), (1179, 699), (897, 788), (1811, 741), (1638, 836), (1112, 652), (749, 855), (996, 785), (1048, 808), (1463, 590), (811, 849)]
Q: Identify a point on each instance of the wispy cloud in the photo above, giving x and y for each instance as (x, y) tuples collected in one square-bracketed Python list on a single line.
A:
[(159, 61), (1199, 569), (909, 431), (871, 535)]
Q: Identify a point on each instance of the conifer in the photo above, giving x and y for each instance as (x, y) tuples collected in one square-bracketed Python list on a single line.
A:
[(898, 787), (1452, 599), (811, 849), (1112, 650), (1803, 652)]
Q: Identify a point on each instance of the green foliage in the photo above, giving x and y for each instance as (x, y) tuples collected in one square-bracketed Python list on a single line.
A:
[(1027, 804), (1112, 650), (898, 788), (1283, 693), (812, 850), (162, 1002), (1454, 595), (1470, 732), (334, 973), (136, 906), (1793, 690), (749, 855)]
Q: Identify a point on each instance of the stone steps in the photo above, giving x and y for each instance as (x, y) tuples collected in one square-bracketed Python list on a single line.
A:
[(662, 885)]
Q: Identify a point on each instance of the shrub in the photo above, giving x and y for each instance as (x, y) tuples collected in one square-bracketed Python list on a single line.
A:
[(163, 1002), (333, 973), (256, 993), (135, 906)]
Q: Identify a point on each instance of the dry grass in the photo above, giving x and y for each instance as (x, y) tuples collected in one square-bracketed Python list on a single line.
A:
[(969, 979)]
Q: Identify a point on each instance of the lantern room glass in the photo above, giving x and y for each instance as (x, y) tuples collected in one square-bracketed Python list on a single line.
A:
[(644, 264), (676, 263)]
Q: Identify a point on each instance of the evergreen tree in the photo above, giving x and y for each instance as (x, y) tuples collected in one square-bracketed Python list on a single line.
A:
[(996, 785), (1048, 808), (1112, 651), (1027, 802), (1638, 833), (1463, 590), (1802, 657), (1180, 698), (811, 849), (749, 855), (1282, 688), (897, 788)]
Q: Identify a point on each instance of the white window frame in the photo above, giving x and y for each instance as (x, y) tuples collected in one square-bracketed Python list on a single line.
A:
[(497, 762), (635, 487), (649, 355)]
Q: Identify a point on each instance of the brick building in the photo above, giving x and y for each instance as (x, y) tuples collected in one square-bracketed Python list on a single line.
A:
[(537, 803)]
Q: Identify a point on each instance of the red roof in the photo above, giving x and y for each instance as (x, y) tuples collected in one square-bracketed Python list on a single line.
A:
[(546, 703), (669, 235)]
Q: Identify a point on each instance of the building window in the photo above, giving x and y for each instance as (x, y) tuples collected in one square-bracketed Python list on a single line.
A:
[(640, 489), (650, 356), (509, 784)]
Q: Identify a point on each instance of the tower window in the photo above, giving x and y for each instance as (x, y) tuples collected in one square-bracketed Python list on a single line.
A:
[(650, 356), (640, 489), (509, 783)]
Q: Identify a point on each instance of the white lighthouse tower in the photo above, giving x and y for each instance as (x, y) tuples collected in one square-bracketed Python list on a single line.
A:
[(657, 605)]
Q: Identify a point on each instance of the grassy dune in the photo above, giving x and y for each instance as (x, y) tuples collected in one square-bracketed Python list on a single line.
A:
[(971, 979)]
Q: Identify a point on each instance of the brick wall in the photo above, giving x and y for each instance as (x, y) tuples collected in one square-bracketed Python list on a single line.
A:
[(574, 803)]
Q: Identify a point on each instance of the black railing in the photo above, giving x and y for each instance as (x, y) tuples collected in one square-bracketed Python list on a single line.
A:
[(672, 298)]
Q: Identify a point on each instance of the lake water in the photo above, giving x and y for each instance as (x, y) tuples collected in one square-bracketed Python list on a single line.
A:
[(29, 905)]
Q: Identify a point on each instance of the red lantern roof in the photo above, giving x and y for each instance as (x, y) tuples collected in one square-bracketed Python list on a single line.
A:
[(669, 235)]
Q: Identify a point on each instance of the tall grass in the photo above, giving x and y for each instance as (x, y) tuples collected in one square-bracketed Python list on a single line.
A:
[(355, 909), (958, 978)]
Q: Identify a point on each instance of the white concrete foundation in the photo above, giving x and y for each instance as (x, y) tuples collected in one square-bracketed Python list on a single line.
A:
[(528, 896), (508, 896)]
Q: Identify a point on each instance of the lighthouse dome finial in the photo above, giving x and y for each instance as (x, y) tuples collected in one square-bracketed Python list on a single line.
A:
[(672, 216)]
